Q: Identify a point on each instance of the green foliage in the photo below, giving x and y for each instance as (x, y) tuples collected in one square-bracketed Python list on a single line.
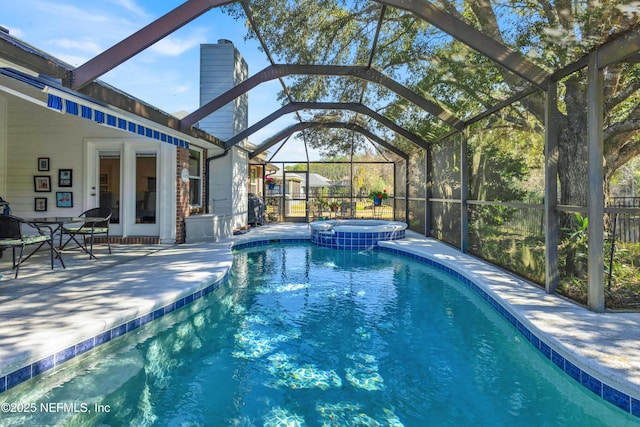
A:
[(577, 238), (460, 80), (574, 246), (378, 194), (523, 256), (624, 290)]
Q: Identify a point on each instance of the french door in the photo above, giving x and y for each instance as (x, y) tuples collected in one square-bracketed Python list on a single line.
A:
[(125, 177)]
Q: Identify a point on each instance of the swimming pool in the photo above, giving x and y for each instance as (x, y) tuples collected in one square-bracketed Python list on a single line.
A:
[(313, 336)]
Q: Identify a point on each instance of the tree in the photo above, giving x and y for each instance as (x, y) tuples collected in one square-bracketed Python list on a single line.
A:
[(566, 30), (551, 34)]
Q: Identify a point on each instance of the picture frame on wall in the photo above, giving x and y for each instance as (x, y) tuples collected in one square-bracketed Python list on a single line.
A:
[(40, 204), (65, 178), (42, 183), (43, 164), (64, 199)]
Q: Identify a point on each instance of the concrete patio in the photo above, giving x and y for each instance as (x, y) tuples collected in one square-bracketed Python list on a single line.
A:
[(46, 311)]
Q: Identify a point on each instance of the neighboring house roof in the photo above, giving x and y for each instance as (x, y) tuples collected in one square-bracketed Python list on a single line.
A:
[(315, 180), (344, 182)]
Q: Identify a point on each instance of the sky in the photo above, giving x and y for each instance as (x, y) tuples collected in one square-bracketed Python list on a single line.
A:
[(166, 75)]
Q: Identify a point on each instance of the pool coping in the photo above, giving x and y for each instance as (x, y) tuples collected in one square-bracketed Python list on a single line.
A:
[(598, 350), (40, 331)]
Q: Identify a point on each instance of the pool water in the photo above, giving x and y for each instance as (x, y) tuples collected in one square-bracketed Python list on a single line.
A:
[(303, 335)]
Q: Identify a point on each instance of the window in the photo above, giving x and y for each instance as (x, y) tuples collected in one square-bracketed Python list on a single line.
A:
[(195, 177)]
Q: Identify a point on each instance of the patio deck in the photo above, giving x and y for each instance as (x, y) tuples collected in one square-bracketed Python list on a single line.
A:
[(44, 311)]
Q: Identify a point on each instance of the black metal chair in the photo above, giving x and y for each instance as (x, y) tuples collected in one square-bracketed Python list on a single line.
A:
[(90, 228), (11, 236), (347, 210)]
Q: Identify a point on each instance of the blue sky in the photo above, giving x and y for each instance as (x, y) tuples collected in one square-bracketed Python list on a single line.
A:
[(165, 75)]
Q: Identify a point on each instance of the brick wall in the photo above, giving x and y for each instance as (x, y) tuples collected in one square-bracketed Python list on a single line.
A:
[(182, 194)]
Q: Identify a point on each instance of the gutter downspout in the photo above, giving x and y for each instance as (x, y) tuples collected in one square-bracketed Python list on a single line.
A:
[(206, 173)]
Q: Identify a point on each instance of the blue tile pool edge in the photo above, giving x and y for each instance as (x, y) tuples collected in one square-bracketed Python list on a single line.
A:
[(51, 361), (601, 389)]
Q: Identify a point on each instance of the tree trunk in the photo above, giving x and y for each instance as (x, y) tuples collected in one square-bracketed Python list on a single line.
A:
[(573, 167)]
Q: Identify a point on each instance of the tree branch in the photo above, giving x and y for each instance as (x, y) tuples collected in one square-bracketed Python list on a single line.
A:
[(632, 87), (623, 155), (620, 128)]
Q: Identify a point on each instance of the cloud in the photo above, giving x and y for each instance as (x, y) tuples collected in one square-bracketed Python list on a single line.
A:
[(181, 88), (174, 46), (75, 45), (131, 6), (14, 31), (75, 60)]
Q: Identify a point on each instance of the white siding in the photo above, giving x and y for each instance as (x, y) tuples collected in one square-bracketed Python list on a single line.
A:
[(228, 186), (37, 132), (240, 198), (34, 132), (3, 146), (221, 68)]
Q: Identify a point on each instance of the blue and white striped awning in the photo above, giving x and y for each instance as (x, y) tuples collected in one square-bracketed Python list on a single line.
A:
[(66, 101)]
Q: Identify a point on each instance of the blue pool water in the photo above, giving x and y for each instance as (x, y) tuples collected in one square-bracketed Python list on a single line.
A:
[(302, 335)]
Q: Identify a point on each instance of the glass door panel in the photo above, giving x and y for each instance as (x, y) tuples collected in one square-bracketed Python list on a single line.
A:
[(109, 183), (146, 206)]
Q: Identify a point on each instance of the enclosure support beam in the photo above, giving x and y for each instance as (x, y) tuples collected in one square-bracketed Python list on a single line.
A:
[(595, 299), (475, 39), (428, 191), (140, 40), (406, 191), (329, 125), (551, 187), (464, 192), (278, 71)]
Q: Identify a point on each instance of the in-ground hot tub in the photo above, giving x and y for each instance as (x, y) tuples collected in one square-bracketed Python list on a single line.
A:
[(355, 233)]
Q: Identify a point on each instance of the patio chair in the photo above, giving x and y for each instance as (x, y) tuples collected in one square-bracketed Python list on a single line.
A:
[(11, 236), (382, 212), (347, 210), (317, 212), (90, 229)]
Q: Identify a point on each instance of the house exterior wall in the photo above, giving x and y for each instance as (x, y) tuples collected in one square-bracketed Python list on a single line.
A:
[(34, 132), (221, 68), (29, 131), (240, 195), (228, 186), (3, 146)]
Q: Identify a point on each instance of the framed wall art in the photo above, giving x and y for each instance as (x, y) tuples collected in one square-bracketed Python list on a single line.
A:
[(65, 178), (40, 204), (64, 199), (41, 184), (43, 164)]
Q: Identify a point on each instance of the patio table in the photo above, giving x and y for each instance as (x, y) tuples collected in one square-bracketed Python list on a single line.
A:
[(60, 221)]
